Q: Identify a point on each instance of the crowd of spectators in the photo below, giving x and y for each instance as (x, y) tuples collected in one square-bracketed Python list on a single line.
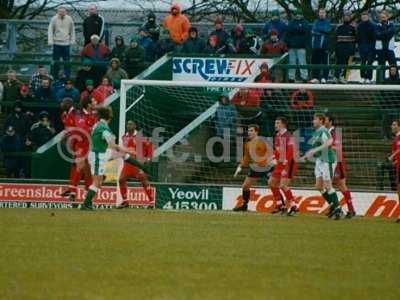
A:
[(27, 127)]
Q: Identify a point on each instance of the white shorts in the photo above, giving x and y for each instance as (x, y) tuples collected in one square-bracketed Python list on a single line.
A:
[(324, 170), (98, 161)]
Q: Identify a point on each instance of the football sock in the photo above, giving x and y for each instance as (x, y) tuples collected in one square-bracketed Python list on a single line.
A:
[(246, 196), (90, 195), (349, 202)]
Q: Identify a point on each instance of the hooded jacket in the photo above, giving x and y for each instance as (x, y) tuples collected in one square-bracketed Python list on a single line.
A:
[(118, 73), (151, 27), (195, 45), (118, 51), (178, 25)]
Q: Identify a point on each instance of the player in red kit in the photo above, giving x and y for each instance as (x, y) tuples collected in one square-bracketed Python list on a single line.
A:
[(339, 178), (79, 123), (142, 149), (395, 156), (286, 168)]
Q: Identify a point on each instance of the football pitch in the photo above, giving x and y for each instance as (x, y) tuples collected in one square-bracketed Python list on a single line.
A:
[(154, 254)]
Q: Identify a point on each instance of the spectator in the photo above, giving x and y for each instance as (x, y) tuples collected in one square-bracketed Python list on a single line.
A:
[(385, 45), (152, 28), (223, 38), (194, 44), (147, 44), (296, 38), (212, 45), (87, 72), (273, 46), (10, 145), (44, 93), (263, 77), (225, 116), (393, 76), (165, 44), (238, 38), (61, 35), (251, 43), (24, 94), (275, 24), (36, 79), (59, 83), (98, 54), (247, 97), (88, 91), (345, 45), (93, 24), (41, 132), (319, 46), (69, 91), (12, 86), (302, 99), (366, 46), (18, 120), (134, 58), (178, 25), (119, 48), (115, 72), (104, 90)]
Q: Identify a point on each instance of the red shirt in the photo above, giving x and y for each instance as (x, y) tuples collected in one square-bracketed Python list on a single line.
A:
[(284, 147), (68, 118), (85, 120), (395, 148), (139, 143), (250, 97), (337, 145)]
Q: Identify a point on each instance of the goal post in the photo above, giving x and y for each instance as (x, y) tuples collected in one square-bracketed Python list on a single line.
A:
[(199, 140)]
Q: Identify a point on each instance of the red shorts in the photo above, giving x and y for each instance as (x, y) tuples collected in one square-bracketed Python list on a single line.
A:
[(285, 170), (340, 170), (130, 171), (81, 149)]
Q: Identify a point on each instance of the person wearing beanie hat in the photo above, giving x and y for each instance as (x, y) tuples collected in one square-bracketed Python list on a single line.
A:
[(194, 44), (223, 38), (178, 25), (98, 53), (134, 58), (151, 27), (345, 45), (297, 40), (238, 38), (273, 46), (212, 45), (274, 24), (119, 48), (88, 91)]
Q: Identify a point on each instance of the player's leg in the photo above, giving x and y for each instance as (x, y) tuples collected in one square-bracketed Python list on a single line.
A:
[(333, 201), (274, 183), (97, 166), (398, 187), (74, 178), (341, 184), (287, 176), (247, 184)]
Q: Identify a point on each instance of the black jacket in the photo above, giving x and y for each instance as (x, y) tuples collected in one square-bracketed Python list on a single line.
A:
[(93, 25), (366, 37), (346, 39)]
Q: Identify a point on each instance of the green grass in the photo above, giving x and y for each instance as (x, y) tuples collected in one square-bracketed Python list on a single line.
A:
[(145, 254)]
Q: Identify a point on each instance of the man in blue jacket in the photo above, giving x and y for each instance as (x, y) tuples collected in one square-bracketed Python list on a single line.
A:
[(296, 39), (384, 46), (275, 24), (319, 44), (366, 46)]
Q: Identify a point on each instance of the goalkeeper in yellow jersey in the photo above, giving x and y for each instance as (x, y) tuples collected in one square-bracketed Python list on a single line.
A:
[(259, 157)]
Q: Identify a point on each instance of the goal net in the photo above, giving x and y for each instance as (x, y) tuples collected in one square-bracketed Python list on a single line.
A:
[(199, 139)]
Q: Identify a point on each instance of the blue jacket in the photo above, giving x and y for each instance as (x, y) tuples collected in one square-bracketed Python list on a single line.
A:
[(278, 25), (64, 93), (366, 36), (148, 45), (385, 36), (297, 34), (320, 34)]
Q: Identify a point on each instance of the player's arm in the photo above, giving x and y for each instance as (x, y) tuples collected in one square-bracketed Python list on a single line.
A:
[(327, 142), (391, 157), (110, 139), (244, 162)]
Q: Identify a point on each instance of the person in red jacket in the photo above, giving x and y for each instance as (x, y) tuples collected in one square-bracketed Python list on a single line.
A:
[(88, 91), (177, 24), (141, 149), (98, 53), (273, 46), (104, 90), (247, 97)]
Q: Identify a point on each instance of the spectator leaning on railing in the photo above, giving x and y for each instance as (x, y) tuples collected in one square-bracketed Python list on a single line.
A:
[(61, 35), (178, 25), (366, 45), (297, 38), (321, 29), (345, 45), (93, 24)]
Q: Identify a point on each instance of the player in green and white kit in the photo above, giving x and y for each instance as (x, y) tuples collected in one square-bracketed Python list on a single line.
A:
[(325, 164), (103, 149)]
